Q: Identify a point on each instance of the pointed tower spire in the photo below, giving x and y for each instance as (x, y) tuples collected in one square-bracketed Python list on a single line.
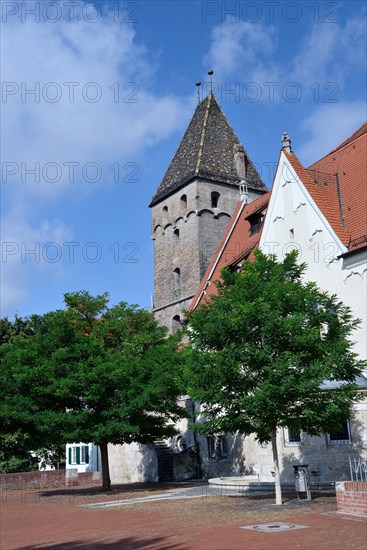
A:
[(207, 151)]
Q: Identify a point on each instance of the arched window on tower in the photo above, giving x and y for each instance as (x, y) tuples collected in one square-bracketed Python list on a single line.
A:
[(176, 323), (176, 283), (183, 205), (164, 215), (215, 198), (176, 233)]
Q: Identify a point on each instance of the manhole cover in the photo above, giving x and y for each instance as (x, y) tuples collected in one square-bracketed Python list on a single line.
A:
[(273, 527)]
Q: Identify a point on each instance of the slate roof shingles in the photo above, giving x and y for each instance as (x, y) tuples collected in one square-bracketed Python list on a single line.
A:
[(206, 150)]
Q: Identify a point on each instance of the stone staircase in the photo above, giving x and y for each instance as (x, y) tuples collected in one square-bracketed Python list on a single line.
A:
[(165, 460)]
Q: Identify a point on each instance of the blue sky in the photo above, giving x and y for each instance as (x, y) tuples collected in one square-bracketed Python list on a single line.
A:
[(113, 91)]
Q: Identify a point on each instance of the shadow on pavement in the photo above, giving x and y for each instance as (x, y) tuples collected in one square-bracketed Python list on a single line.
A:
[(129, 542)]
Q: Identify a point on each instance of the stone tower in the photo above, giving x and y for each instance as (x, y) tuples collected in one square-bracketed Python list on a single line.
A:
[(193, 205)]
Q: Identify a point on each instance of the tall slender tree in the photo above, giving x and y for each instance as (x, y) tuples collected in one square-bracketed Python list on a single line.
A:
[(262, 349)]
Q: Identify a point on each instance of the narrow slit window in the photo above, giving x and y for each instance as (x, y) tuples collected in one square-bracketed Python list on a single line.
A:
[(211, 446), (183, 204), (176, 323), (223, 446), (164, 215), (176, 282), (215, 199)]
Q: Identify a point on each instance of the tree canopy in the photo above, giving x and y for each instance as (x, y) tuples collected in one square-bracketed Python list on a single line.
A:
[(262, 349), (15, 444), (91, 373)]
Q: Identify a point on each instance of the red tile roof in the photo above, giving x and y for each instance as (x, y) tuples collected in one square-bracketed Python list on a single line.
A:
[(323, 189), (362, 130), (235, 245), (338, 185), (349, 162)]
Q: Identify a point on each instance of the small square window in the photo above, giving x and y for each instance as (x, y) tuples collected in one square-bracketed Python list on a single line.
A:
[(79, 454), (255, 222), (292, 436), (341, 436)]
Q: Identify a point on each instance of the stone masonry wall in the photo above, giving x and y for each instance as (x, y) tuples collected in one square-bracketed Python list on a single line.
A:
[(186, 230), (186, 235)]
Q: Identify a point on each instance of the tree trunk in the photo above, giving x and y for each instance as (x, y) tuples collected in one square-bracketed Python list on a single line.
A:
[(278, 489), (106, 480)]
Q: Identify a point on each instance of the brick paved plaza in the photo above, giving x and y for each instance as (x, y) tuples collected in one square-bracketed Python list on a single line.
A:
[(60, 519)]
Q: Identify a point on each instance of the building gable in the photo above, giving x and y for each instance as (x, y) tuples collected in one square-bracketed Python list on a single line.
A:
[(294, 218)]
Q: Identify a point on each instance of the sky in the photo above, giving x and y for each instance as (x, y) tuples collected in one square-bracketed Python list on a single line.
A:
[(97, 95)]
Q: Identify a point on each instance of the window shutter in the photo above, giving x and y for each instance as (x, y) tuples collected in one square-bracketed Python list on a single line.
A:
[(78, 455), (86, 454), (69, 455)]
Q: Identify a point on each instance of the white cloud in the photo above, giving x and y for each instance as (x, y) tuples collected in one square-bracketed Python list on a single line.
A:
[(234, 44), (252, 52), (330, 54), (328, 126), (37, 130), (106, 54)]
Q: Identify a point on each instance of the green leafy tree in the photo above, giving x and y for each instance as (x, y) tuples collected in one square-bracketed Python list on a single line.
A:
[(92, 373), (15, 455), (11, 329), (261, 350)]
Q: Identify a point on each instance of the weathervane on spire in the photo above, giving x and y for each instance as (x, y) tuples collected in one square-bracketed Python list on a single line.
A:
[(210, 73), (198, 84)]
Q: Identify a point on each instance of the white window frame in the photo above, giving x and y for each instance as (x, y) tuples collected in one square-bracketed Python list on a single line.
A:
[(82, 454), (73, 454), (287, 438)]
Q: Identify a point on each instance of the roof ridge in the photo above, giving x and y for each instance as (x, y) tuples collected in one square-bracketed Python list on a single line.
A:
[(362, 129), (353, 136), (202, 138)]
